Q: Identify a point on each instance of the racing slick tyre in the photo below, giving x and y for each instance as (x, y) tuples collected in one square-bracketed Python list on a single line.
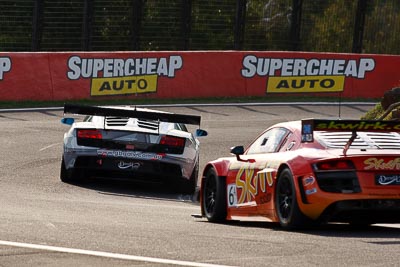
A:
[(66, 176), (189, 186), (214, 197), (289, 214)]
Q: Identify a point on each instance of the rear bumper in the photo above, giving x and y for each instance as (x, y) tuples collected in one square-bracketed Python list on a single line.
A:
[(148, 171), (363, 211)]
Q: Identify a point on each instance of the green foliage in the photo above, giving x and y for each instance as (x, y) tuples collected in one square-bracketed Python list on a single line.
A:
[(212, 25), (381, 28), (268, 25), (329, 27), (374, 113), (16, 25), (326, 25), (161, 26)]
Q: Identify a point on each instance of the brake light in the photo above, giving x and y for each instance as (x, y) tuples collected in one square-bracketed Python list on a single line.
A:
[(335, 165), (89, 134), (172, 141)]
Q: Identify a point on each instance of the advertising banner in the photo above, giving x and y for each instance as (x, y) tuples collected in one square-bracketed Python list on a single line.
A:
[(197, 74)]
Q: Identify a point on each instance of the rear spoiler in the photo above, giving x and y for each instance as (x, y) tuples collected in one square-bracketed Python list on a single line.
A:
[(119, 112), (308, 127)]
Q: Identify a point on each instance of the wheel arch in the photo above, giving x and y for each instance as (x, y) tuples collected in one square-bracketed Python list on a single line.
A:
[(296, 180), (221, 169), (280, 169)]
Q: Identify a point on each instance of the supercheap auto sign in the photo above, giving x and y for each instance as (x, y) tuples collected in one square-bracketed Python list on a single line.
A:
[(300, 75), (193, 74), (5, 66), (116, 76)]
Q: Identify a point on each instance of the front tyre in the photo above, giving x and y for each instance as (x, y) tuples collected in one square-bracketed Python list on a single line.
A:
[(286, 206), (214, 197)]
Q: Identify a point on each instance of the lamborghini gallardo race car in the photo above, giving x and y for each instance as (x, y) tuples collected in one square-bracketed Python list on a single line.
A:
[(304, 173), (131, 143)]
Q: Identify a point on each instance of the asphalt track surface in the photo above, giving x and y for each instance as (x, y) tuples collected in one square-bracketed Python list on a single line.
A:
[(44, 222)]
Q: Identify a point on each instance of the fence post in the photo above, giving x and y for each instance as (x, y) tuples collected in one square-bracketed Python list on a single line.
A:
[(136, 22), (186, 22), (87, 25), (295, 26), (239, 24), (359, 26), (36, 25)]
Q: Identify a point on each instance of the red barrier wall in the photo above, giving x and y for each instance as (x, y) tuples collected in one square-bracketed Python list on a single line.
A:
[(79, 75)]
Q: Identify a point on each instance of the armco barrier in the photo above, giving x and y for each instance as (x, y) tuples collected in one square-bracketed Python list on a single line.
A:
[(80, 75)]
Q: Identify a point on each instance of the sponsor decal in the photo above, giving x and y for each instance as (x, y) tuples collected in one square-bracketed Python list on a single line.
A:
[(128, 154), (308, 181), (311, 191), (116, 76), (387, 179), (309, 126), (356, 126), (250, 185), (299, 75), (5, 66), (382, 164), (307, 133), (128, 165)]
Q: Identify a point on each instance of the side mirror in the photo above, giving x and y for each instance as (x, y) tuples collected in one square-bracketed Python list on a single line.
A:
[(200, 133), (239, 150), (68, 121)]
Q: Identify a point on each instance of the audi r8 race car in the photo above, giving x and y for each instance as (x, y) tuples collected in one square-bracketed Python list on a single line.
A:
[(131, 143), (303, 173)]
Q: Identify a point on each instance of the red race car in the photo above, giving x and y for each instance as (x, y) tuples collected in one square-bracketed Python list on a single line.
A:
[(303, 173)]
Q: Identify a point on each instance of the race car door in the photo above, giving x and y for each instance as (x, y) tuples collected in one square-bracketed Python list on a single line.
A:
[(248, 193)]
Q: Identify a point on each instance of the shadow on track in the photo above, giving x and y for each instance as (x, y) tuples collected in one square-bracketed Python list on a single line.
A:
[(388, 234), (135, 189)]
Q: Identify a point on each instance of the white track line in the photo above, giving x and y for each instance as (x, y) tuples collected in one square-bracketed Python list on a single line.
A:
[(108, 254), (49, 146)]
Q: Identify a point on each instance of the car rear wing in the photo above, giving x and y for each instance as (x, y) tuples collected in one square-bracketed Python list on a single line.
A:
[(119, 112), (309, 126)]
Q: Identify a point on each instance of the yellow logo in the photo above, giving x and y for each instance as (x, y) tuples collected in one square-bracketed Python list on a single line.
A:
[(124, 85), (251, 184), (306, 84), (381, 164)]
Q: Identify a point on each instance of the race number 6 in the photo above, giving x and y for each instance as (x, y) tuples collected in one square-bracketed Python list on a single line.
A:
[(232, 196)]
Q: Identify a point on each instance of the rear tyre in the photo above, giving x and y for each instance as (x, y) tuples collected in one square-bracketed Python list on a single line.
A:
[(214, 197), (189, 186), (66, 176), (286, 206)]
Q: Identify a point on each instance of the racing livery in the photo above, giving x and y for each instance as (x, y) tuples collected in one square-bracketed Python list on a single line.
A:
[(131, 143), (303, 173)]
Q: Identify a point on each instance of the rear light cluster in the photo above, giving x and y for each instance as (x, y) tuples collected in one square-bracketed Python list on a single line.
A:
[(172, 141), (337, 176), (89, 134), (89, 137), (334, 165), (172, 144)]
